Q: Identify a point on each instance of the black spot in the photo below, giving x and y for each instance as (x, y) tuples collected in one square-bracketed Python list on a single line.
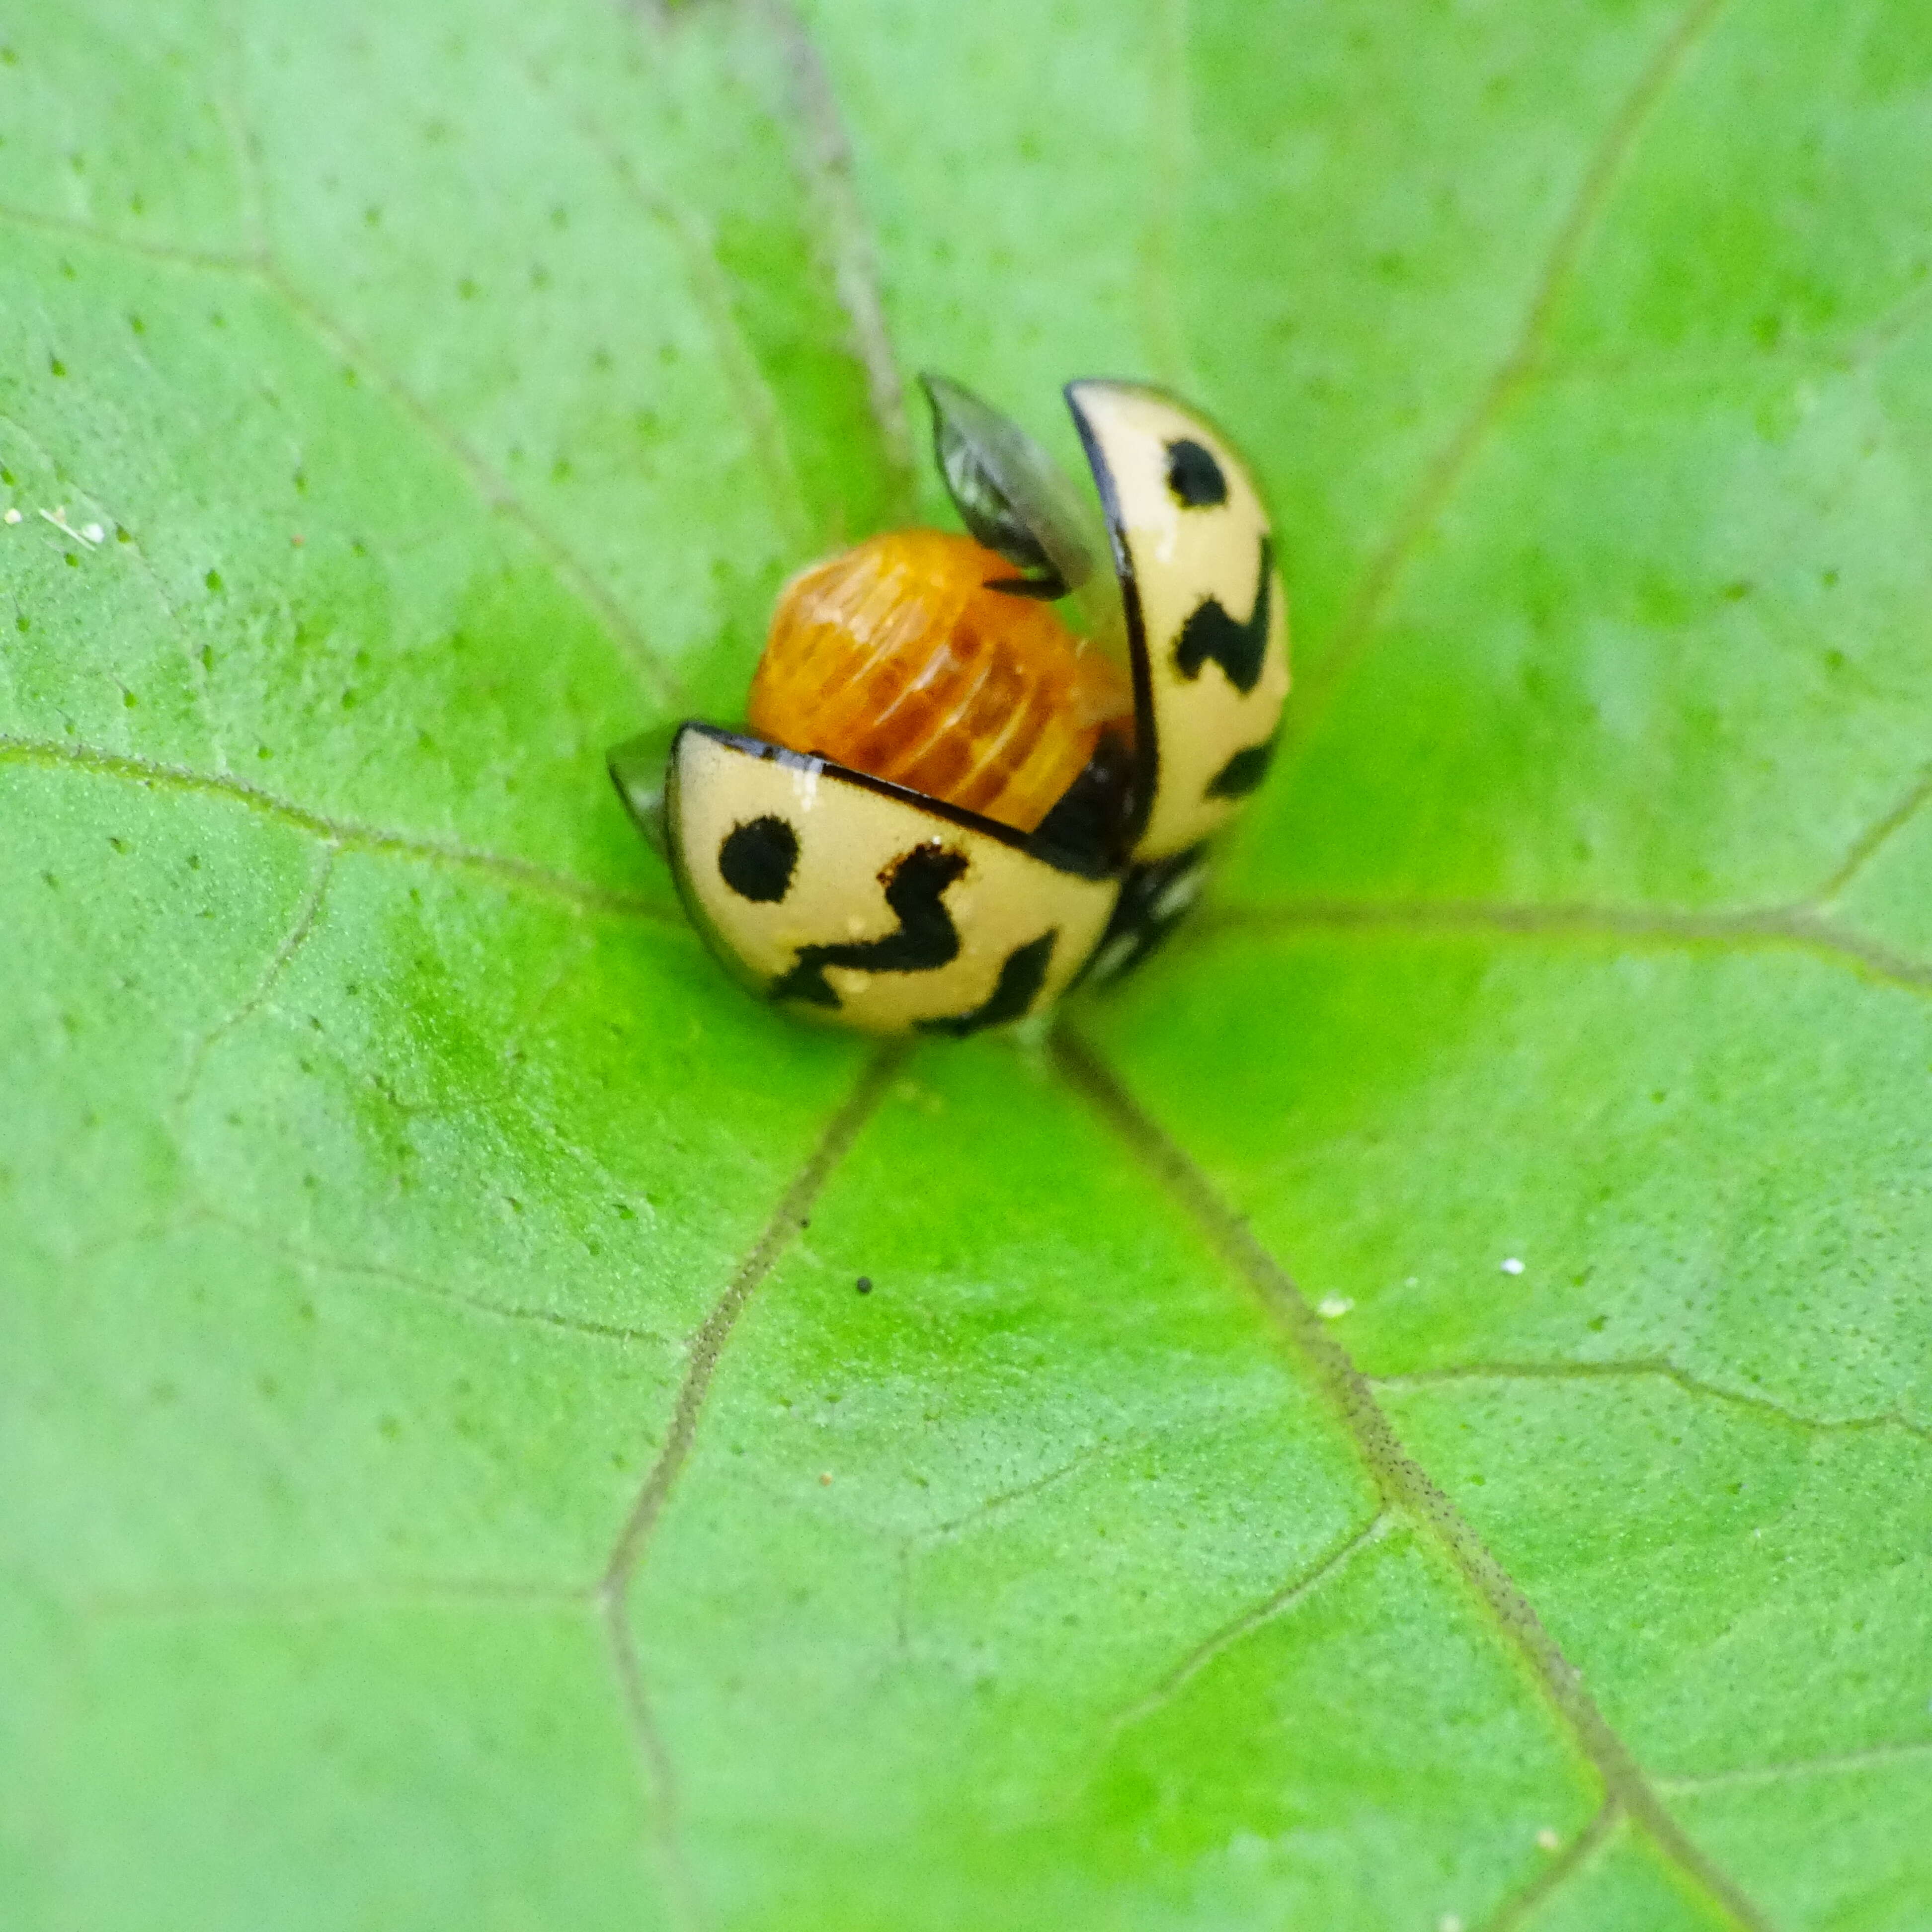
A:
[(757, 860), (1020, 980), (1238, 649), (925, 940), (865, 1284), (1194, 476), (1243, 772)]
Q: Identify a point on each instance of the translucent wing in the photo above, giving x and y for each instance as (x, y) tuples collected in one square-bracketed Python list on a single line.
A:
[(1010, 494), (1015, 499), (638, 769)]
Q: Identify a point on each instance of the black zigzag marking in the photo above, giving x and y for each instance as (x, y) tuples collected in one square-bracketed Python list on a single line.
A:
[(1244, 772), (926, 939), (1238, 649), (1020, 980)]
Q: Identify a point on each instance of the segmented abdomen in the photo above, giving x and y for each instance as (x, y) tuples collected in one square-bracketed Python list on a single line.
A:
[(897, 660)]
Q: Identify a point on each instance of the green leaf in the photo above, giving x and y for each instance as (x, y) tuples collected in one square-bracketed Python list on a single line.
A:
[(1414, 1413)]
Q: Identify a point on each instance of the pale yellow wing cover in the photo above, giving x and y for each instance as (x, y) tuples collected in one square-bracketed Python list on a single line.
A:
[(840, 895), (1207, 616)]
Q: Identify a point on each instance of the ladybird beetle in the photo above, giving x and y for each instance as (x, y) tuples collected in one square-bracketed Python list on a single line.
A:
[(978, 768)]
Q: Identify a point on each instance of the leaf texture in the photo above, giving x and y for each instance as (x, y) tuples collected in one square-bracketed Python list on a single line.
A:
[(1414, 1412)]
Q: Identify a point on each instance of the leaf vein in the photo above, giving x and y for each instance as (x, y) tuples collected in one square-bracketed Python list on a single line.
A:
[(1522, 1905), (1658, 1368), (491, 489), (1837, 1764), (847, 243), (1795, 928), (307, 913), (1356, 630), (1872, 840), (711, 291), (347, 835), (1403, 1483), (1289, 1597), (425, 1285), (707, 1346)]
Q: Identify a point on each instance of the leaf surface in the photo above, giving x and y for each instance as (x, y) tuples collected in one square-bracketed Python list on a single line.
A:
[(1414, 1413)]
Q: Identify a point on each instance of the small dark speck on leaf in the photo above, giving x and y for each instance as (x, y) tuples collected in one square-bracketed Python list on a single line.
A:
[(865, 1284)]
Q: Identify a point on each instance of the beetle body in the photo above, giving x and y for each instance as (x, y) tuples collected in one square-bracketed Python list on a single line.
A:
[(903, 659), (951, 802)]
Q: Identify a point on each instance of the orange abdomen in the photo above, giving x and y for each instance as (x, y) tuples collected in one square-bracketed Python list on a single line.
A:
[(896, 659)]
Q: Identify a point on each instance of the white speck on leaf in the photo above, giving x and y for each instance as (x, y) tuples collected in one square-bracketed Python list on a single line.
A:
[(13, 516), (1547, 1840), (1332, 1307), (1512, 1266), (93, 532), (58, 517)]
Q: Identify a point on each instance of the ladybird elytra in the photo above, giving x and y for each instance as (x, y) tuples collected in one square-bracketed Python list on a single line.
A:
[(903, 658), (874, 852)]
